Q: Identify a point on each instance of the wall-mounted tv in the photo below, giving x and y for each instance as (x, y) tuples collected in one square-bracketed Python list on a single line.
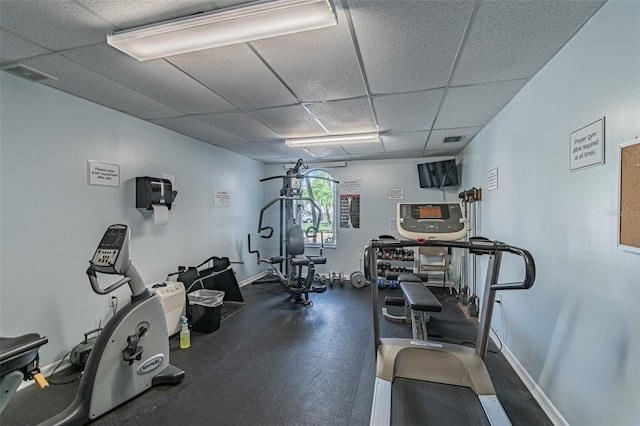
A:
[(438, 174)]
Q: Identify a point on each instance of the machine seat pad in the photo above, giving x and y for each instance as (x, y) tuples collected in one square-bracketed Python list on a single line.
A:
[(419, 297), (18, 352), (318, 260)]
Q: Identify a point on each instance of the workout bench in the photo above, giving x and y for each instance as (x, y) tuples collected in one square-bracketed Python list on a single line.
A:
[(417, 300)]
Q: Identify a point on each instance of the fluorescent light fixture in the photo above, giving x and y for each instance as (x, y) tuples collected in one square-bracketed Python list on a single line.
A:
[(334, 140), (223, 27)]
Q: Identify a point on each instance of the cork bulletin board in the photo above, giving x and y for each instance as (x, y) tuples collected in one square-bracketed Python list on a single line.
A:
[(629, 213)]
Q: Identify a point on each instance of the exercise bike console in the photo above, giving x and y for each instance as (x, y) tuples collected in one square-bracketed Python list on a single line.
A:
[(112, 257), (112, 254)]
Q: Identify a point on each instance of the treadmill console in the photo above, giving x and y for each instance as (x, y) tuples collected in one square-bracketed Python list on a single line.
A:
[(432, 221), (112, 254)]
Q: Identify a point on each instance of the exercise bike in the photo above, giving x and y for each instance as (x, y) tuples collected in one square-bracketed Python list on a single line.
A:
[(131, 354)]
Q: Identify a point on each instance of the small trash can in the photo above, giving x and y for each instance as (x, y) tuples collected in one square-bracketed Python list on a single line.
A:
[(206, 307)]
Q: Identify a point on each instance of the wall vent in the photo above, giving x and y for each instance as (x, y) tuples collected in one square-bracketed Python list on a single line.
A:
[(452, 139), (26, 72)]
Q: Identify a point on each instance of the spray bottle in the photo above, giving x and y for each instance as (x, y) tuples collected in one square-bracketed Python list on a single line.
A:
[(185, 334)]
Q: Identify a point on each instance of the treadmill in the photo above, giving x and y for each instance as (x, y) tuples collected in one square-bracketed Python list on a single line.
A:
[(436, 383)]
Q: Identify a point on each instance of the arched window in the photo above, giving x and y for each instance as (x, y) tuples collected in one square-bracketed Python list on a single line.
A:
[(319, 198)]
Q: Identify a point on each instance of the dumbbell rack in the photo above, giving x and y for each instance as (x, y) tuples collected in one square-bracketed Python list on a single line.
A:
[(400, 260)]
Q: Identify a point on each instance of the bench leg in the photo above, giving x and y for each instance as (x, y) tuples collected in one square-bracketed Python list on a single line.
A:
[(419, 320)]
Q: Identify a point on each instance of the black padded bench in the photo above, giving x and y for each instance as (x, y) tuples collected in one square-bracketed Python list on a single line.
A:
[(418, 302)]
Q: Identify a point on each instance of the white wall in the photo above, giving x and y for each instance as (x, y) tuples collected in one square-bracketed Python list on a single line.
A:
[(375, 209), (51, 220), (577, 331)]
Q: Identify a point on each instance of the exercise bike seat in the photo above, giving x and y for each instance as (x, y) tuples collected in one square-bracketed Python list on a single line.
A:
[(18, 352)]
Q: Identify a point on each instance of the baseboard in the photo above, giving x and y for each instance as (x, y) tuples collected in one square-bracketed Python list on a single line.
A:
[(248, 281), (537, 393)]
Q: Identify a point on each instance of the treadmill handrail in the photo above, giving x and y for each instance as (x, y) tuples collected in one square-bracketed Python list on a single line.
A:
[(487, 247)]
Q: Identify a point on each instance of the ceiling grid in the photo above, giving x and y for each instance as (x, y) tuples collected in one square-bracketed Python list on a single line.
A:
[(416, 72)]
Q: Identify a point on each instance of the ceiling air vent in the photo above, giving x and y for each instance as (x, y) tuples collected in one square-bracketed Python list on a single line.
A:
[(26, 72), (452, 139)]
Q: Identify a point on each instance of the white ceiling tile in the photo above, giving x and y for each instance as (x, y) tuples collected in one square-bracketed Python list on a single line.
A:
[(407, 111), (55, 25), (241, 124), (514, 39), (408, 45), (332, 157), (157, 79), (237, 74), (84, 83), (436, 139), (199, 130), (368, 148), (325, 151), (128, 14), (317, 65), (291, 121), (269, 149), (345, 116), (475, 105), (401, 142), (367, 156), (13, 48)]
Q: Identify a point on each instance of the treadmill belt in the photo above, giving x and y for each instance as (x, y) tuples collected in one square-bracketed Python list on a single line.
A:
[(414, 402)]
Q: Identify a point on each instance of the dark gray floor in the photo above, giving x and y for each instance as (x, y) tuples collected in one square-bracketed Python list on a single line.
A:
[(277, 363)]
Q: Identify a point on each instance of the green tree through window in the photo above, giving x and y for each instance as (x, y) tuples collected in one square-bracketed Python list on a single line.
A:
[(323, 192)]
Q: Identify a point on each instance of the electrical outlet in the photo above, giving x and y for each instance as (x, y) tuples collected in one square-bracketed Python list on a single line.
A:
[(498, 298)]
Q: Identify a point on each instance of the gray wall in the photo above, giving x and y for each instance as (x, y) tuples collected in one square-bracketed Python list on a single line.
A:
[(51, 220), (577, 331)]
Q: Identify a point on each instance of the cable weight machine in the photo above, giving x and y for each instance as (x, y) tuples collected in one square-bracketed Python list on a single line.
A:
[(470, 199), (291, 261)]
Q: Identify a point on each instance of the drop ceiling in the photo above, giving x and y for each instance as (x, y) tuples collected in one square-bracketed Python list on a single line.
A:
[(415, 71)]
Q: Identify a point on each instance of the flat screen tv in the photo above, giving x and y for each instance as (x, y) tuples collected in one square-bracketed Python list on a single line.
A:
[(438, 174)]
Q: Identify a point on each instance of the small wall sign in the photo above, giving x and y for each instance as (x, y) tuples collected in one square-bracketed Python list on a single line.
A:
[(103, 174), (395, 193), (493, 179), (221, 198), (586, 146)]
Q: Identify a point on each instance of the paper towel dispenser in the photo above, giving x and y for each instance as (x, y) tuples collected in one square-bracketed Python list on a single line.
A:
[(150, 191)]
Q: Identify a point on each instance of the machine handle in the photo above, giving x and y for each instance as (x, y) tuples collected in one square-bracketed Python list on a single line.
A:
[(529, 271), (93, 279), (266, 228)]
